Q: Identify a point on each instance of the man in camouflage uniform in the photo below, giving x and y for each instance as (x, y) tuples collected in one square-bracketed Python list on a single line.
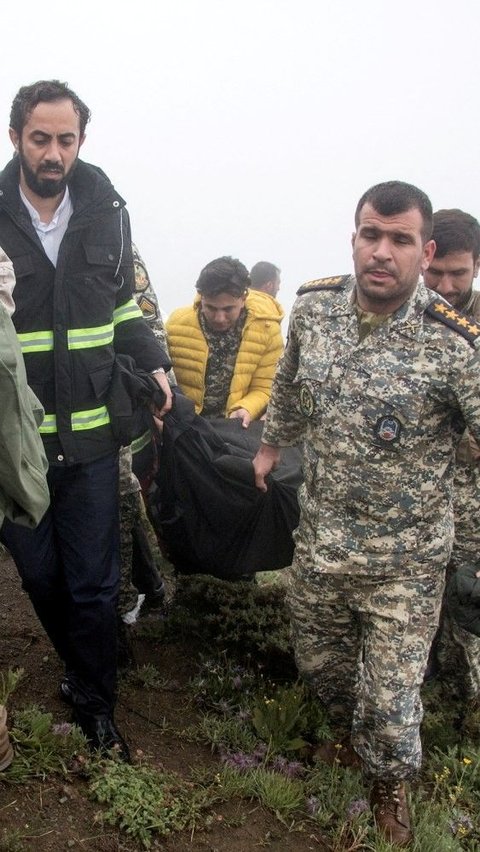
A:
[(452, 273), (138, 562), (378, 379)]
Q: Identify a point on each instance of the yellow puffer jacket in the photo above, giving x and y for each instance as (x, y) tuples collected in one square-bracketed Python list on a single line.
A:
[(260, 348)]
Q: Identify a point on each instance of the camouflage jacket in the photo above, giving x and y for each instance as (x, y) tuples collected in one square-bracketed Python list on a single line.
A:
[(469, 451), (147, 301), (380, 421)]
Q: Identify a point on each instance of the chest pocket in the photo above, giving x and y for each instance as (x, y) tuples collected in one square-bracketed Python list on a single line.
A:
[(393, 409), (23, 265), (312, 377), (104, 257)]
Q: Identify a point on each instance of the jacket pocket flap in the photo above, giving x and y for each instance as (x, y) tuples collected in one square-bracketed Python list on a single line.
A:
[(102, 255)]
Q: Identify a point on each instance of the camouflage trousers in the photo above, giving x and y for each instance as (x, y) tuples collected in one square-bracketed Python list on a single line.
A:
[(457, 651), (362, 643), (130, 513)]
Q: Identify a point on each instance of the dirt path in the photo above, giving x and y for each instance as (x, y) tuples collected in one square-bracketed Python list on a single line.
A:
[(51, 816)]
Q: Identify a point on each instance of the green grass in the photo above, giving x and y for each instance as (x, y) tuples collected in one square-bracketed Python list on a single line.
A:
[(261, 724)]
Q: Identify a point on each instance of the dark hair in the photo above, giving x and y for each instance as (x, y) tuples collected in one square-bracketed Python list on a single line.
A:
[(223, 275), (263, 272), (28, 97), (454, 230), (395, 196)]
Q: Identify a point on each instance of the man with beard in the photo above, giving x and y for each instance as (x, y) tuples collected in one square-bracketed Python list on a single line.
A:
[(452, 273), (378, 378), (67, 233)]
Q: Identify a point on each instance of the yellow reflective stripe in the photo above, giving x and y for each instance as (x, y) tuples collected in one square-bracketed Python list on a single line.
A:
[(36, 341), (142, 441), (86, 338), (129, 310), (78, 338), (80, 420), (49, 425), (91, 419)]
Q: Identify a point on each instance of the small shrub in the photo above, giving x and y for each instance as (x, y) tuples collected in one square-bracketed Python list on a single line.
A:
[(143, 801)]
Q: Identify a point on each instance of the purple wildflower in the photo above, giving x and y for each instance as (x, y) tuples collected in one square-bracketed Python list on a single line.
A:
[(240, 761), (460, 825), (357, 807), (261, 751), (289, 768), (313, 805), (63, 729), (244, 715)]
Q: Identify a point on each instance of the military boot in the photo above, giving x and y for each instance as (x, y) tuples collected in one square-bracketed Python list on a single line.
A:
[(388, 801)]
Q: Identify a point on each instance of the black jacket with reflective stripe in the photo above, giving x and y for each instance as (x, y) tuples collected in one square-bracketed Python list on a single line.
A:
[(74, 318)]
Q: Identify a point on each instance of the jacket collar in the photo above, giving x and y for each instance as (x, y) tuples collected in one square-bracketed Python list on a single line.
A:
[(407, 319), (90, 189)]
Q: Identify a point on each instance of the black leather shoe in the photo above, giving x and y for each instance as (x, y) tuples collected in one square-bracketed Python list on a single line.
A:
[(103, 735)]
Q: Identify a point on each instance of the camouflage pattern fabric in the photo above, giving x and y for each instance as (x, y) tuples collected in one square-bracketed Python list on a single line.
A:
[(146, 299), (223, 349), (369, 657), (380, 420), (458, 651), (130, 511), (130, 498)]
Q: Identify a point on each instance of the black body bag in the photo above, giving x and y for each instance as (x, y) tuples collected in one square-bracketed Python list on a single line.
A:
[(206, 510)]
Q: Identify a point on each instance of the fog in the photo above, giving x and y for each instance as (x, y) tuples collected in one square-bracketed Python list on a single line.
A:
[(251, 129)]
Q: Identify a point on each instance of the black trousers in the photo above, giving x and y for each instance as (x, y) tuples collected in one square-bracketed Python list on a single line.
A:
[(69, 566)]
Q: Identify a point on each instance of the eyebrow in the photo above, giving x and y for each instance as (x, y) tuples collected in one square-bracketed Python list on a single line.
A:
[(395, 233), (42, 135)]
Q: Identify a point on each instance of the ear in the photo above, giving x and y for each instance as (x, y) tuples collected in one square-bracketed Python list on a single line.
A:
[(476, 268), (428, 254), (82, 140), (14, 137), (353, 238)]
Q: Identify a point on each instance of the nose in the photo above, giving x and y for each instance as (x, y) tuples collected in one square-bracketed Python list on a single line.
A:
[(442, 286), (383, 249), (52, 153)]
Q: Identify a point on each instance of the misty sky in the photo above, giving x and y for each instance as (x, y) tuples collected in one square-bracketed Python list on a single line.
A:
[(252, 128)]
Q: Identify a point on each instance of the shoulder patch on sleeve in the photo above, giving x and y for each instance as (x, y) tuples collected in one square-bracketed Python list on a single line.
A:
[(147, 307), (142, 281), (461, 323), (335, 282)]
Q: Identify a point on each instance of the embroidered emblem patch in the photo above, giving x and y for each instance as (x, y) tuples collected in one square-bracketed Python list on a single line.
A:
[(141, 278), (307, 403), (148, 308), (387, 429)]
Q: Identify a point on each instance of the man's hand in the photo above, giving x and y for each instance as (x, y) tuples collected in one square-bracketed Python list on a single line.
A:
[(162, 381), (244, 415), (265, 461)]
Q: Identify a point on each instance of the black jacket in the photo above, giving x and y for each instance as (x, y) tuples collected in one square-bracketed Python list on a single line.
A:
[(72, 320)]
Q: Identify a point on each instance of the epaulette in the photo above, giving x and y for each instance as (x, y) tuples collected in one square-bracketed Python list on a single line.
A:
[(461, 323), (335, 282)]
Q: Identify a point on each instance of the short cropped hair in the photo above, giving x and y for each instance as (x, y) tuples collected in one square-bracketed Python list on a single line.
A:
[(28, 97), (223, 275), (395, 196), (454, 230), (263, 272)]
